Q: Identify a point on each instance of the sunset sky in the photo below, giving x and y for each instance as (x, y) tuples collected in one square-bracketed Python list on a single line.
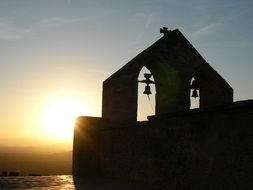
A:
[(54, 54)]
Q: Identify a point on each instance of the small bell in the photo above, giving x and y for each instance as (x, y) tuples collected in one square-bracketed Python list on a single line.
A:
[(147, 90), (195, 93)]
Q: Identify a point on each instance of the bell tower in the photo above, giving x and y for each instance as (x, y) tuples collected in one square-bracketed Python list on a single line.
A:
[(173, 62)]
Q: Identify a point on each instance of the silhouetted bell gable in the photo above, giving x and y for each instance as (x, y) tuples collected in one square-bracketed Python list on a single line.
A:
[(173, 62)]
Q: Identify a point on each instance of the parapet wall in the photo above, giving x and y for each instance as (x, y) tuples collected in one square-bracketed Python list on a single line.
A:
[(196, 149)]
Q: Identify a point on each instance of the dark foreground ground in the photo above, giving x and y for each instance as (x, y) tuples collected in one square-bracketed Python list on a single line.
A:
[(66, 182)]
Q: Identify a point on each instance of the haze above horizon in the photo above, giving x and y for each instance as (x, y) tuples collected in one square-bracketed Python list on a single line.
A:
[(54, 55)]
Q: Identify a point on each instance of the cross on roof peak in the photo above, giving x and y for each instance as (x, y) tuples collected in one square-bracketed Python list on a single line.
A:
[(164, 30)]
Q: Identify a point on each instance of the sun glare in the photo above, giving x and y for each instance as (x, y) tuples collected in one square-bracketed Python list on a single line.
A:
[(58, 118)]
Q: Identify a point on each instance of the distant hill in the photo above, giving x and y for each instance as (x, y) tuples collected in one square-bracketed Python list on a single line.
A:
[(42, 149), (45, 160)]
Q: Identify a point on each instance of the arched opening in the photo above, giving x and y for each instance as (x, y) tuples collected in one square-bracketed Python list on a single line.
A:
[(146, 101), (194, 94)]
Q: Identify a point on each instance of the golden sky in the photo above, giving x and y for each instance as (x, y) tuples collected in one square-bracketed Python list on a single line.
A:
[(55, 54)]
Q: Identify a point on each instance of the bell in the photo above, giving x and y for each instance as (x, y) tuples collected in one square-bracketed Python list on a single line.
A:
[(147, 90), (194, 85), (195, 93), (147, 76)]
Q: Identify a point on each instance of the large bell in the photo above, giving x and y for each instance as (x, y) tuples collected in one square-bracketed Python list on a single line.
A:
[(147, 90), (195, 93)]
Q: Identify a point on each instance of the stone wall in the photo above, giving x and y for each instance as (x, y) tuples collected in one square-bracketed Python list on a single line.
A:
[(208, 149), (197, 149)]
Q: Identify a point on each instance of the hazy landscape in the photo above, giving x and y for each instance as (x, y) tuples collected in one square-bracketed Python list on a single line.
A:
[(44, 160)]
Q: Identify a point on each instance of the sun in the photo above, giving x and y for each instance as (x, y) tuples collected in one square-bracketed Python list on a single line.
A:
[(59, 116)]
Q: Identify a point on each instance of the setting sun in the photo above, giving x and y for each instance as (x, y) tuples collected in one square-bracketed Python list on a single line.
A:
[(58, 117)]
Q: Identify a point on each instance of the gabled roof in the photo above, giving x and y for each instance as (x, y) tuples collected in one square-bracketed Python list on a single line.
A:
[(173, 61)]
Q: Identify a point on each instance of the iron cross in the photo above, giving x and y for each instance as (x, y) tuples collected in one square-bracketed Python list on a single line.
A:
[(164, 30)]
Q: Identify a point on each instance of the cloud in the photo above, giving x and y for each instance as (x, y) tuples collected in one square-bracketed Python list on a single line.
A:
[(9, 31), (207, 30), (148, 19), (213, 27), (57, 21)]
